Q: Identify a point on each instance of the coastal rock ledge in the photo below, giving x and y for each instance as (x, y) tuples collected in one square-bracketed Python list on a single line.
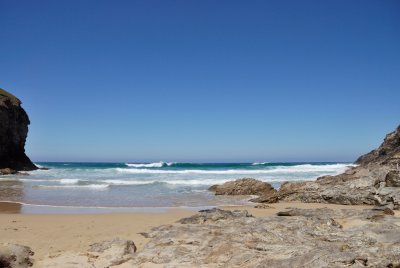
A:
[(13, 132), (294, 237), (374, 181)]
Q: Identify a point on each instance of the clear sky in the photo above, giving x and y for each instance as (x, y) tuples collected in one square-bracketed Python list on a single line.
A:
[(203, 80)]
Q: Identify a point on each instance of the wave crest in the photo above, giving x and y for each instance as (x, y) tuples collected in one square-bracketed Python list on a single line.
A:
[(150, 165)]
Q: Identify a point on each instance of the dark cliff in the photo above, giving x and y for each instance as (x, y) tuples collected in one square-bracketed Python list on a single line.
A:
[(13, 132), (387, 154)]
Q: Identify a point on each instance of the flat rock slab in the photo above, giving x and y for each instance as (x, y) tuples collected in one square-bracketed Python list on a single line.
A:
[(303, 238)]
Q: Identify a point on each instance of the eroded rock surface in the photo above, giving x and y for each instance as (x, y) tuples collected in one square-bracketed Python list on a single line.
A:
[(220, 238), (15, 256), (245, 186), (112, 253), (301, 238), (388, 152)]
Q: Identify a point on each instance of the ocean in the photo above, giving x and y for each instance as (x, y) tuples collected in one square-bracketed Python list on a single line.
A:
[(148, 185)]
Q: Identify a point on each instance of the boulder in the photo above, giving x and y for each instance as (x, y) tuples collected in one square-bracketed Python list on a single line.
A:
[(245, 186), (392, 179), (266, 198), (15, 256)]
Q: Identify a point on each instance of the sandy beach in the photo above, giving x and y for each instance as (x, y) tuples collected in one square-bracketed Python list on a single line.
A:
[(49, 235)]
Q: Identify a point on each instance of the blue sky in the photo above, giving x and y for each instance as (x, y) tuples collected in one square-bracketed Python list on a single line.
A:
[(203, 80)]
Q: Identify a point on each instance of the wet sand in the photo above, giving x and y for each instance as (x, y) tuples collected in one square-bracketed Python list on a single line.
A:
[(52, 234)]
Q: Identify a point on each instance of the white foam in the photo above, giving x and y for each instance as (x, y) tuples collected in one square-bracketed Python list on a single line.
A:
[(127, 182), (90, 186), (197, 182), (69, 181), (332, 168), (257, 163), (172, 182), (150, 165), (9, 179)]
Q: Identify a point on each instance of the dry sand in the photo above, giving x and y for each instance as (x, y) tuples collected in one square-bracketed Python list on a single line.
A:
[(52, 234)]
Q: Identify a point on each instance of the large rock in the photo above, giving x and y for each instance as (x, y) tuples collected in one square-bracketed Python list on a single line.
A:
[(220, 238), (13, 132), (388, 152), (245, 186), (306, 238), (375, 181), (15, 256), (392, 179), (366, 186)]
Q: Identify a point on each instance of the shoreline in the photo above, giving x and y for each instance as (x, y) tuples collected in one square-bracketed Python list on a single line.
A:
[(75, 232), (12, 207), (19, 208)]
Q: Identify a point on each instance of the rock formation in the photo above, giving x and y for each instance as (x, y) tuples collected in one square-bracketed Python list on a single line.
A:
[(112, 253), (387, 154), (245, 186), (221, 238), (13, 132), (15, 256), (303, 238), (376, 181)]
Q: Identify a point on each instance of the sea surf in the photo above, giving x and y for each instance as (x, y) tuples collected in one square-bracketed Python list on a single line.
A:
[(158, 184)]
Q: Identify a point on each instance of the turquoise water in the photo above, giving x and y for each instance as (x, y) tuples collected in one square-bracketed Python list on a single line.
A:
[(157, 184)]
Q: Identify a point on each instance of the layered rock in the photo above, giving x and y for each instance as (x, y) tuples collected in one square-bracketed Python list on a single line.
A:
[(13, 132), (109, 253), (388, 152), (304, 238), (221, 238), (245, 186)]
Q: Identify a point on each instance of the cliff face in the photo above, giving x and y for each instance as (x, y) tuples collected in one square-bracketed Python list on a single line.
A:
[(387, 154), (13, 132)]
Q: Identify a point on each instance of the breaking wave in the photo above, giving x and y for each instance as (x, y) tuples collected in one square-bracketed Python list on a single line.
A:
[(149, 184), (150, 165)]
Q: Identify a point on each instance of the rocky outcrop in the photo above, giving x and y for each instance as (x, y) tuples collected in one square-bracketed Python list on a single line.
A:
[(392, 178), (15, 256), (214, 215), (388, 152), (111, 253), (13, 132), (298, 238), (245, 186), (370, 185), (375, 181), (221, 238)]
